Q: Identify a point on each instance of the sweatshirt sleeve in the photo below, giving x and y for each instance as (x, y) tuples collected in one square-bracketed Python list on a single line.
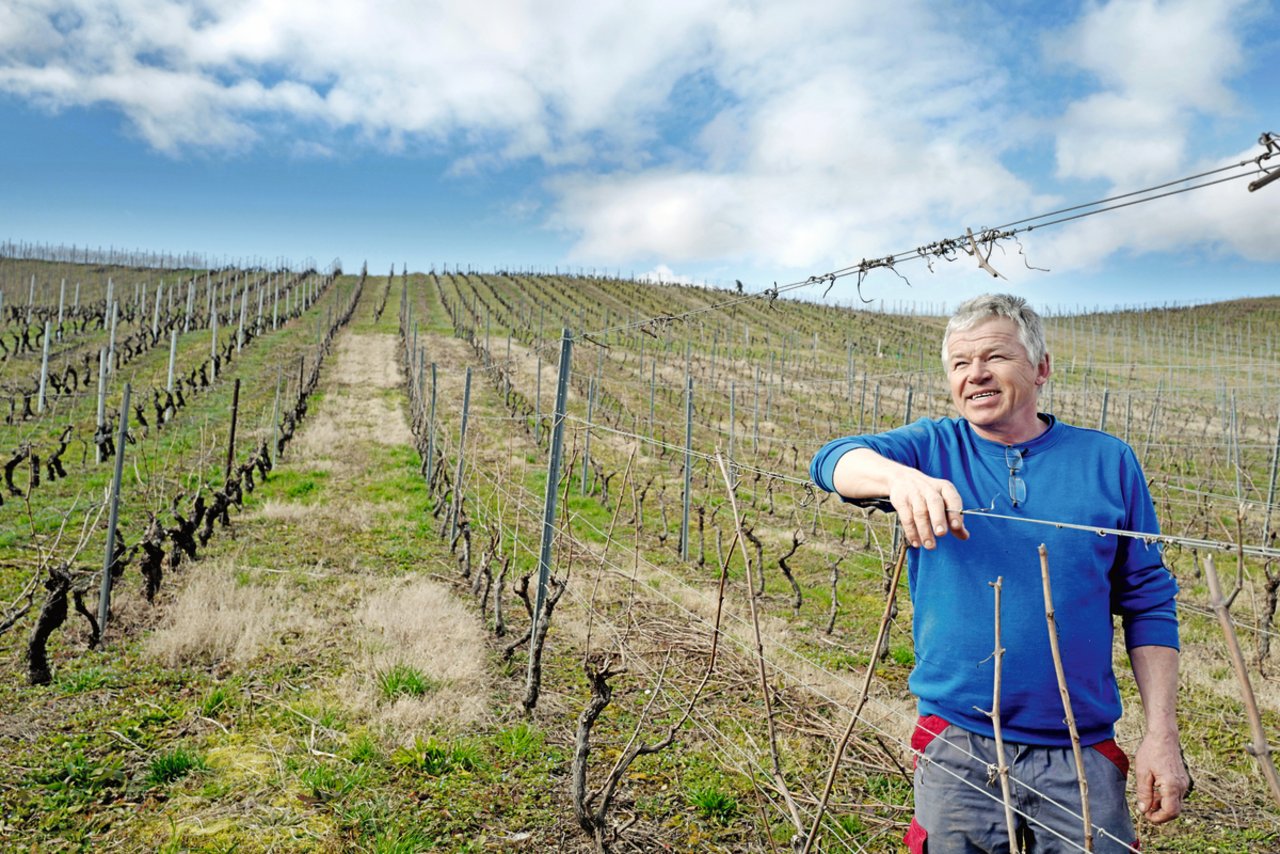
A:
[(822, 468), (902, 445), (1143, 590)]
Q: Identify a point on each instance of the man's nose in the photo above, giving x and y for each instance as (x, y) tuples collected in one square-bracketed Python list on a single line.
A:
[(978, 370)]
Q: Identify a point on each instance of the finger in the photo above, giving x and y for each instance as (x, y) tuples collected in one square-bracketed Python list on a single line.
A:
[(937, 509), (940, 511), (1168, 809), (924, 529), (1147, 796), (906, 518), (954, 506), (1168, 805)]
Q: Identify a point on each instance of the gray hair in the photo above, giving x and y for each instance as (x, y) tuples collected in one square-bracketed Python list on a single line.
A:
[(1015, 308)]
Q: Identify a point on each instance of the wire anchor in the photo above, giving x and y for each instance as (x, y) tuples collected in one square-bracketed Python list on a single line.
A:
[(1272, 143)]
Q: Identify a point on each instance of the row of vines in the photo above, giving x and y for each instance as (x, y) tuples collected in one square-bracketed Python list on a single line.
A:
[(665, 382), (676, 594), (210, 413)]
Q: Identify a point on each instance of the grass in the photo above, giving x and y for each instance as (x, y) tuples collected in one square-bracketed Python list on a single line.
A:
[(889, 789), (85, 679), (524, 743), (433, 758), (401, 680), (173, 765), (219, 699), (327, 782), (364, 749), (301, 487), (713, 804), (77, 775), (334, 721)]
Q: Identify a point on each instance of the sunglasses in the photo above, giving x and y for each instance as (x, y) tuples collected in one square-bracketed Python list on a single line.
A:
[(1017, 486)]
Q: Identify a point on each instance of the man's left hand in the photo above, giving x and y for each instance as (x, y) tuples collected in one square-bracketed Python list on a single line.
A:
[(1161, 777)]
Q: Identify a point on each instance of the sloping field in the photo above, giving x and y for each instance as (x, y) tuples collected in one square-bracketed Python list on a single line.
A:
[(345, 663)]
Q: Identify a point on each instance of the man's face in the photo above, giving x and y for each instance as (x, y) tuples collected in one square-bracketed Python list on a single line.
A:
[(994, 385)]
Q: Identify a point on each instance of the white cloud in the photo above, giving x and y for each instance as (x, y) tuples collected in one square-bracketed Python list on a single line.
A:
[(1160, 63), (818, 162), (1177, 51), (1162, 70), (664, 275), (818, 131), (539, 74), (26, 29), (1221, 221)]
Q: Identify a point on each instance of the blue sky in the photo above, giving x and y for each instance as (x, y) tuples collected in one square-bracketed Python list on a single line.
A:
[(699, 140)]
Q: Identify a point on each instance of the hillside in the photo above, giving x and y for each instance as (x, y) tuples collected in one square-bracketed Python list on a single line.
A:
[(344, 664)]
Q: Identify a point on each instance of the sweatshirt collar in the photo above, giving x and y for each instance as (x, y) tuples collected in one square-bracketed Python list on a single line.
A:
[(1039, 444)]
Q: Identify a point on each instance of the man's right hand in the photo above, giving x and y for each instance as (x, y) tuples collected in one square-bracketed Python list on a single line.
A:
[(928, 507)]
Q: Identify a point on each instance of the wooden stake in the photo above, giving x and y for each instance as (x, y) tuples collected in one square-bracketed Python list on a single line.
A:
[(1002, 764), (766, 692), (1259, 748), (1066, 698)]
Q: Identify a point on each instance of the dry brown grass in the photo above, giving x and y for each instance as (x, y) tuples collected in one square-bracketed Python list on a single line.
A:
[(1207, 668), (344, 429), (217, 620), (890, 710), (367, 361), (350, 515), (356, 412), (421, 624)]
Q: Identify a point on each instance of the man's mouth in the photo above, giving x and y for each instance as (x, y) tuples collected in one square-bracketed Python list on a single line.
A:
[(983, 395)]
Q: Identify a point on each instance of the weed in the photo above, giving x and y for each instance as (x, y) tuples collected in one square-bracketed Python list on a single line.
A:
[(521, 742), (714, 804), (401, 680), (467, 755), (174, 765), (325, 782), (852, 825), (172, 845), (79, 774), (87, 679), (402, 842), (329, 717), (364, 750), (306, 486), (429, 757), (218, 699), (846, 661), (890, 790)]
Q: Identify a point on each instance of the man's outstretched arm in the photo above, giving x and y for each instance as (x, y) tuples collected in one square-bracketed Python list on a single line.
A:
[(928, 507)]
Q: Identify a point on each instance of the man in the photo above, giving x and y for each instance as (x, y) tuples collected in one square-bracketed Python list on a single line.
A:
[(1002, 448)]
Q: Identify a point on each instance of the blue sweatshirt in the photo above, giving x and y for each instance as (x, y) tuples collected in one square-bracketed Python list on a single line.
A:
[(1072, 475)]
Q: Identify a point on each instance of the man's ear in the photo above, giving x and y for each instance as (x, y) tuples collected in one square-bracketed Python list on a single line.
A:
[(1043, 370)]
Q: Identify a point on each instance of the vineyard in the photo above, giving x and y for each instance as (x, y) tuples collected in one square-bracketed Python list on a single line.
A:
[(301, 560)]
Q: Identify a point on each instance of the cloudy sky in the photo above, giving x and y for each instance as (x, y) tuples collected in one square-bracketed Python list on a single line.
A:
[(706, 140)]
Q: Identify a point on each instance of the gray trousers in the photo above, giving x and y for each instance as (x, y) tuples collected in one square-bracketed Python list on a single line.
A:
[(959, 806)]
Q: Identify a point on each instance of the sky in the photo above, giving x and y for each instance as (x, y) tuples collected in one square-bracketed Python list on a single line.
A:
[(708, 141)]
